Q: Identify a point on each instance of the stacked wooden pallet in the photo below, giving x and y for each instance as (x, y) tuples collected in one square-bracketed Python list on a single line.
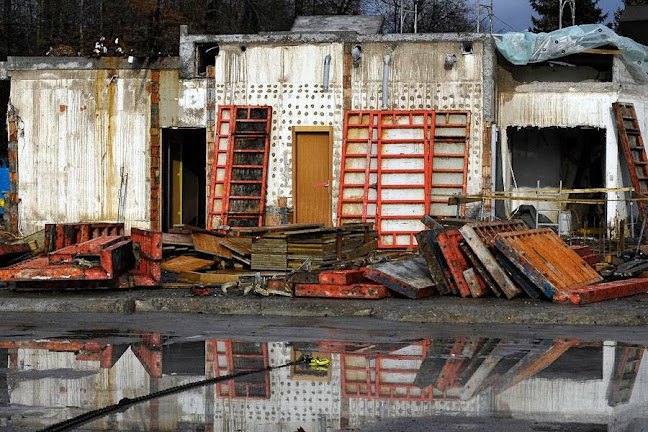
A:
[(288, 248)]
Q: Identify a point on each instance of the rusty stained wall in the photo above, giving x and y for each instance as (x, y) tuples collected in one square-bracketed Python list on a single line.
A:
[(289, 79), (183, 103), (563, 104), (419, 80), (78, 129)]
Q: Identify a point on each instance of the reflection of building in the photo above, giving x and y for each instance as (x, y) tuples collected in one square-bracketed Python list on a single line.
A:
[(561, 381)]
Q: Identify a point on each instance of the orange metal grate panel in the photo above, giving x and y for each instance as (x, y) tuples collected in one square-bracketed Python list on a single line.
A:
[(391, 166), (231, 357), (546, 260), (240, 166)]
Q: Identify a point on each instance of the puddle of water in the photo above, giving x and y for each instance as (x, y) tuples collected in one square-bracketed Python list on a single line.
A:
[(468, 383)]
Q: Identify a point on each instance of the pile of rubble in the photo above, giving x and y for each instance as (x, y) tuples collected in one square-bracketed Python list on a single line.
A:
[(455, 257)]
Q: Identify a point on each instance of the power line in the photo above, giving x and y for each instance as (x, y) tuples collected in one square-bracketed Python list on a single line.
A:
[(504, 22)]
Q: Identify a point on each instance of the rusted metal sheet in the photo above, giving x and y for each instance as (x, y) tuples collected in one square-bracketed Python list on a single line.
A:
[(341, 277), (535, 361), (449, 243), (58, 236), (475, 283), (602, 291), (488, 230), (11, 252), (406, 277), (430, 249), (85, 145), (356, 290), (483, 253), (147, 249), (546, 260)]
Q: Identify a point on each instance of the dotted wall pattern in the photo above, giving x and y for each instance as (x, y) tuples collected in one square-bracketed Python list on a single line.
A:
[(292, 403)]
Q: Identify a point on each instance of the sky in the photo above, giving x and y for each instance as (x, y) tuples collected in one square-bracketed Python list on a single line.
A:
[(517, 13)]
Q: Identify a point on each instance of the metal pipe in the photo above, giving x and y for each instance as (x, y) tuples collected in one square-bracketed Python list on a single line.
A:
[(385, 86), (494, 135), (327, 71)]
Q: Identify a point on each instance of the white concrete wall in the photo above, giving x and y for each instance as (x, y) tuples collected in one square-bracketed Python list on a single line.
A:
[(561, 104), (77, 131), (289, 79)]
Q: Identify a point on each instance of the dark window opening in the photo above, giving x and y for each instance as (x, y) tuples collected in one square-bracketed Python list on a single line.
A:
[(206, 54), (573, 156), (572, 68), (185, 358), (184, 188)]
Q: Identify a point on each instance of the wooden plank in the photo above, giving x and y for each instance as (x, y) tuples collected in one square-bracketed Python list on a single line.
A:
[(409, 277), (211, 245), (207, 278), (186, 264), (177, 239), (237, 247), (488, 260)]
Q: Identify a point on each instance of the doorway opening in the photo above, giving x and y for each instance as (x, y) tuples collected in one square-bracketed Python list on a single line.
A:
[(548, 156), (312, 154), (184, 183)]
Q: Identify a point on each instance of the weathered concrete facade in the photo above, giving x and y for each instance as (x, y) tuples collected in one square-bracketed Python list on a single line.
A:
[(556, 100), (97, 122), (286, 71)]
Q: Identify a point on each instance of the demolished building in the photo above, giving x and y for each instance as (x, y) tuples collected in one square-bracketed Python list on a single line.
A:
[(311, 126)]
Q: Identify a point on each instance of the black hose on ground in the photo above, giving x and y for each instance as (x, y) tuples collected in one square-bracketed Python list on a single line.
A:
[(126, 403)]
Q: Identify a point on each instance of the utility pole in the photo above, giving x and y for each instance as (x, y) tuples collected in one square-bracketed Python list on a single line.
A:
[(489, 8), (404, 12), (572, 6)]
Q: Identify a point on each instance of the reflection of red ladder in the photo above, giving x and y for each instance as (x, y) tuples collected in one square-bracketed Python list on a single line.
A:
[(626, 366), (231, 357), (240, 165), (633, 147)]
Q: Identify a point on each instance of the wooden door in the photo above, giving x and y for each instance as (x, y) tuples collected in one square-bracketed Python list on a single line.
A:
[(312, 175)]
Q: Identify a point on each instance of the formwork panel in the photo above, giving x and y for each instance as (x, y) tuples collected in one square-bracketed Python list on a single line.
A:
[(546, 260), (391, 164), (239, 172)]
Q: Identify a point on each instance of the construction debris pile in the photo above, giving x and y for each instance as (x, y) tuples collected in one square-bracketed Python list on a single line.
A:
[(455, 257)]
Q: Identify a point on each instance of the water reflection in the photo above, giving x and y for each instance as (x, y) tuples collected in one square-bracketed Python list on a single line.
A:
[(555, 381)]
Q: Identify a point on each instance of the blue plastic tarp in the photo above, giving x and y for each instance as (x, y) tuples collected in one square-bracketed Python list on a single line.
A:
[(522, 48)]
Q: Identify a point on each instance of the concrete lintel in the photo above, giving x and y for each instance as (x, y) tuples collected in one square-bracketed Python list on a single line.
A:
[(331, 37), (85, 63), (4, 71)]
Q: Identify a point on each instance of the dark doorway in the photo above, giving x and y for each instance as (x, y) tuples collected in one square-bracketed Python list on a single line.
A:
[(184, 188), (574, 156)]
